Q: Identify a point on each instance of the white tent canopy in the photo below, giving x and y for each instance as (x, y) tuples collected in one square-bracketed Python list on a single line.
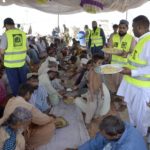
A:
[(73, 6)]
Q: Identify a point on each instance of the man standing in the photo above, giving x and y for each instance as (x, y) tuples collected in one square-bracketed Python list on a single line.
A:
[(135, 86), (87, 35), (115, 29), (123, 42), (66, 34), (13, 49), (97, 39)]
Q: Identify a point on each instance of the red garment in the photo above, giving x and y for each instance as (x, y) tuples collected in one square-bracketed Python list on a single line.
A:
[(2, 92)]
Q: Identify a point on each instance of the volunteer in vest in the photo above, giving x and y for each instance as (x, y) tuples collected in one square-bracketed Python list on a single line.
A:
[(135, 86), (13, 49), (125, 43), (97, 39), (87, 35), (115, 29)]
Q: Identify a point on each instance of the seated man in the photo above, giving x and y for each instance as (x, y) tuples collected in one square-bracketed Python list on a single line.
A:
[(81, 81), (45, 80), (73, 63), (48, 63), (115, 135), (33, 54), (58, 84), (12, 127), (43, 126), (39, 97)]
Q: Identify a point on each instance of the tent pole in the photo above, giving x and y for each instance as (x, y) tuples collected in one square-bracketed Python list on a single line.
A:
[(126, 15), (58, 20)]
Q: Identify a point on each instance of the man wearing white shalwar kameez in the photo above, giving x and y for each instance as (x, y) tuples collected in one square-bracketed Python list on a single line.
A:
[(136, 95)]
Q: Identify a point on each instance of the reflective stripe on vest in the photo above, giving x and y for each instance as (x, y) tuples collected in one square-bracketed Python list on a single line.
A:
[(121, 62), (134, 62), (96, 39), (87, 35), (14, 61), (123, 44), (137, 81), (15, 54)]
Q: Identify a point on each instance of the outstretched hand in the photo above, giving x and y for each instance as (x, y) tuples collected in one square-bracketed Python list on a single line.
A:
[(126, 71)]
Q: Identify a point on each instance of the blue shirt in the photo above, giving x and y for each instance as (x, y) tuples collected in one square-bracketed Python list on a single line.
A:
[(130, 140), (39, 98), (81, 37)]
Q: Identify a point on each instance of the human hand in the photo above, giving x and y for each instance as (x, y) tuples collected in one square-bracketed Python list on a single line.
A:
[(75, 87), (51, 115), (124, 54), (62, 92), (126, 71)]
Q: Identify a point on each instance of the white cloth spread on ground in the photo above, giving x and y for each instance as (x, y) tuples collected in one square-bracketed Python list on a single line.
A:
[(71, 136), (137, 97)]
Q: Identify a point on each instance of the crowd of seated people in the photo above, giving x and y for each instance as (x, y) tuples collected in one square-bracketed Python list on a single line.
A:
[(52, 68)]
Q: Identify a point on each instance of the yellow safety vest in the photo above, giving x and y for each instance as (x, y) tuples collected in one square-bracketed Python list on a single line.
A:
[(96, 39), (123, 44), (135, 62), (87, 36), (15, 54)]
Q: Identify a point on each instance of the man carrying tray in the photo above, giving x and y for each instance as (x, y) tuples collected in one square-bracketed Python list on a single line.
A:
[(125, 43), (135, 86)]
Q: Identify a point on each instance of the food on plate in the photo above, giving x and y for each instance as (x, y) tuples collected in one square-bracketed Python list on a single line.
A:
[(112, 50), (69, 100), (60, 122), (109, 70)]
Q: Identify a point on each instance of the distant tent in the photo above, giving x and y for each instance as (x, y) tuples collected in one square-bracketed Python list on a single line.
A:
[(75, 6)]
